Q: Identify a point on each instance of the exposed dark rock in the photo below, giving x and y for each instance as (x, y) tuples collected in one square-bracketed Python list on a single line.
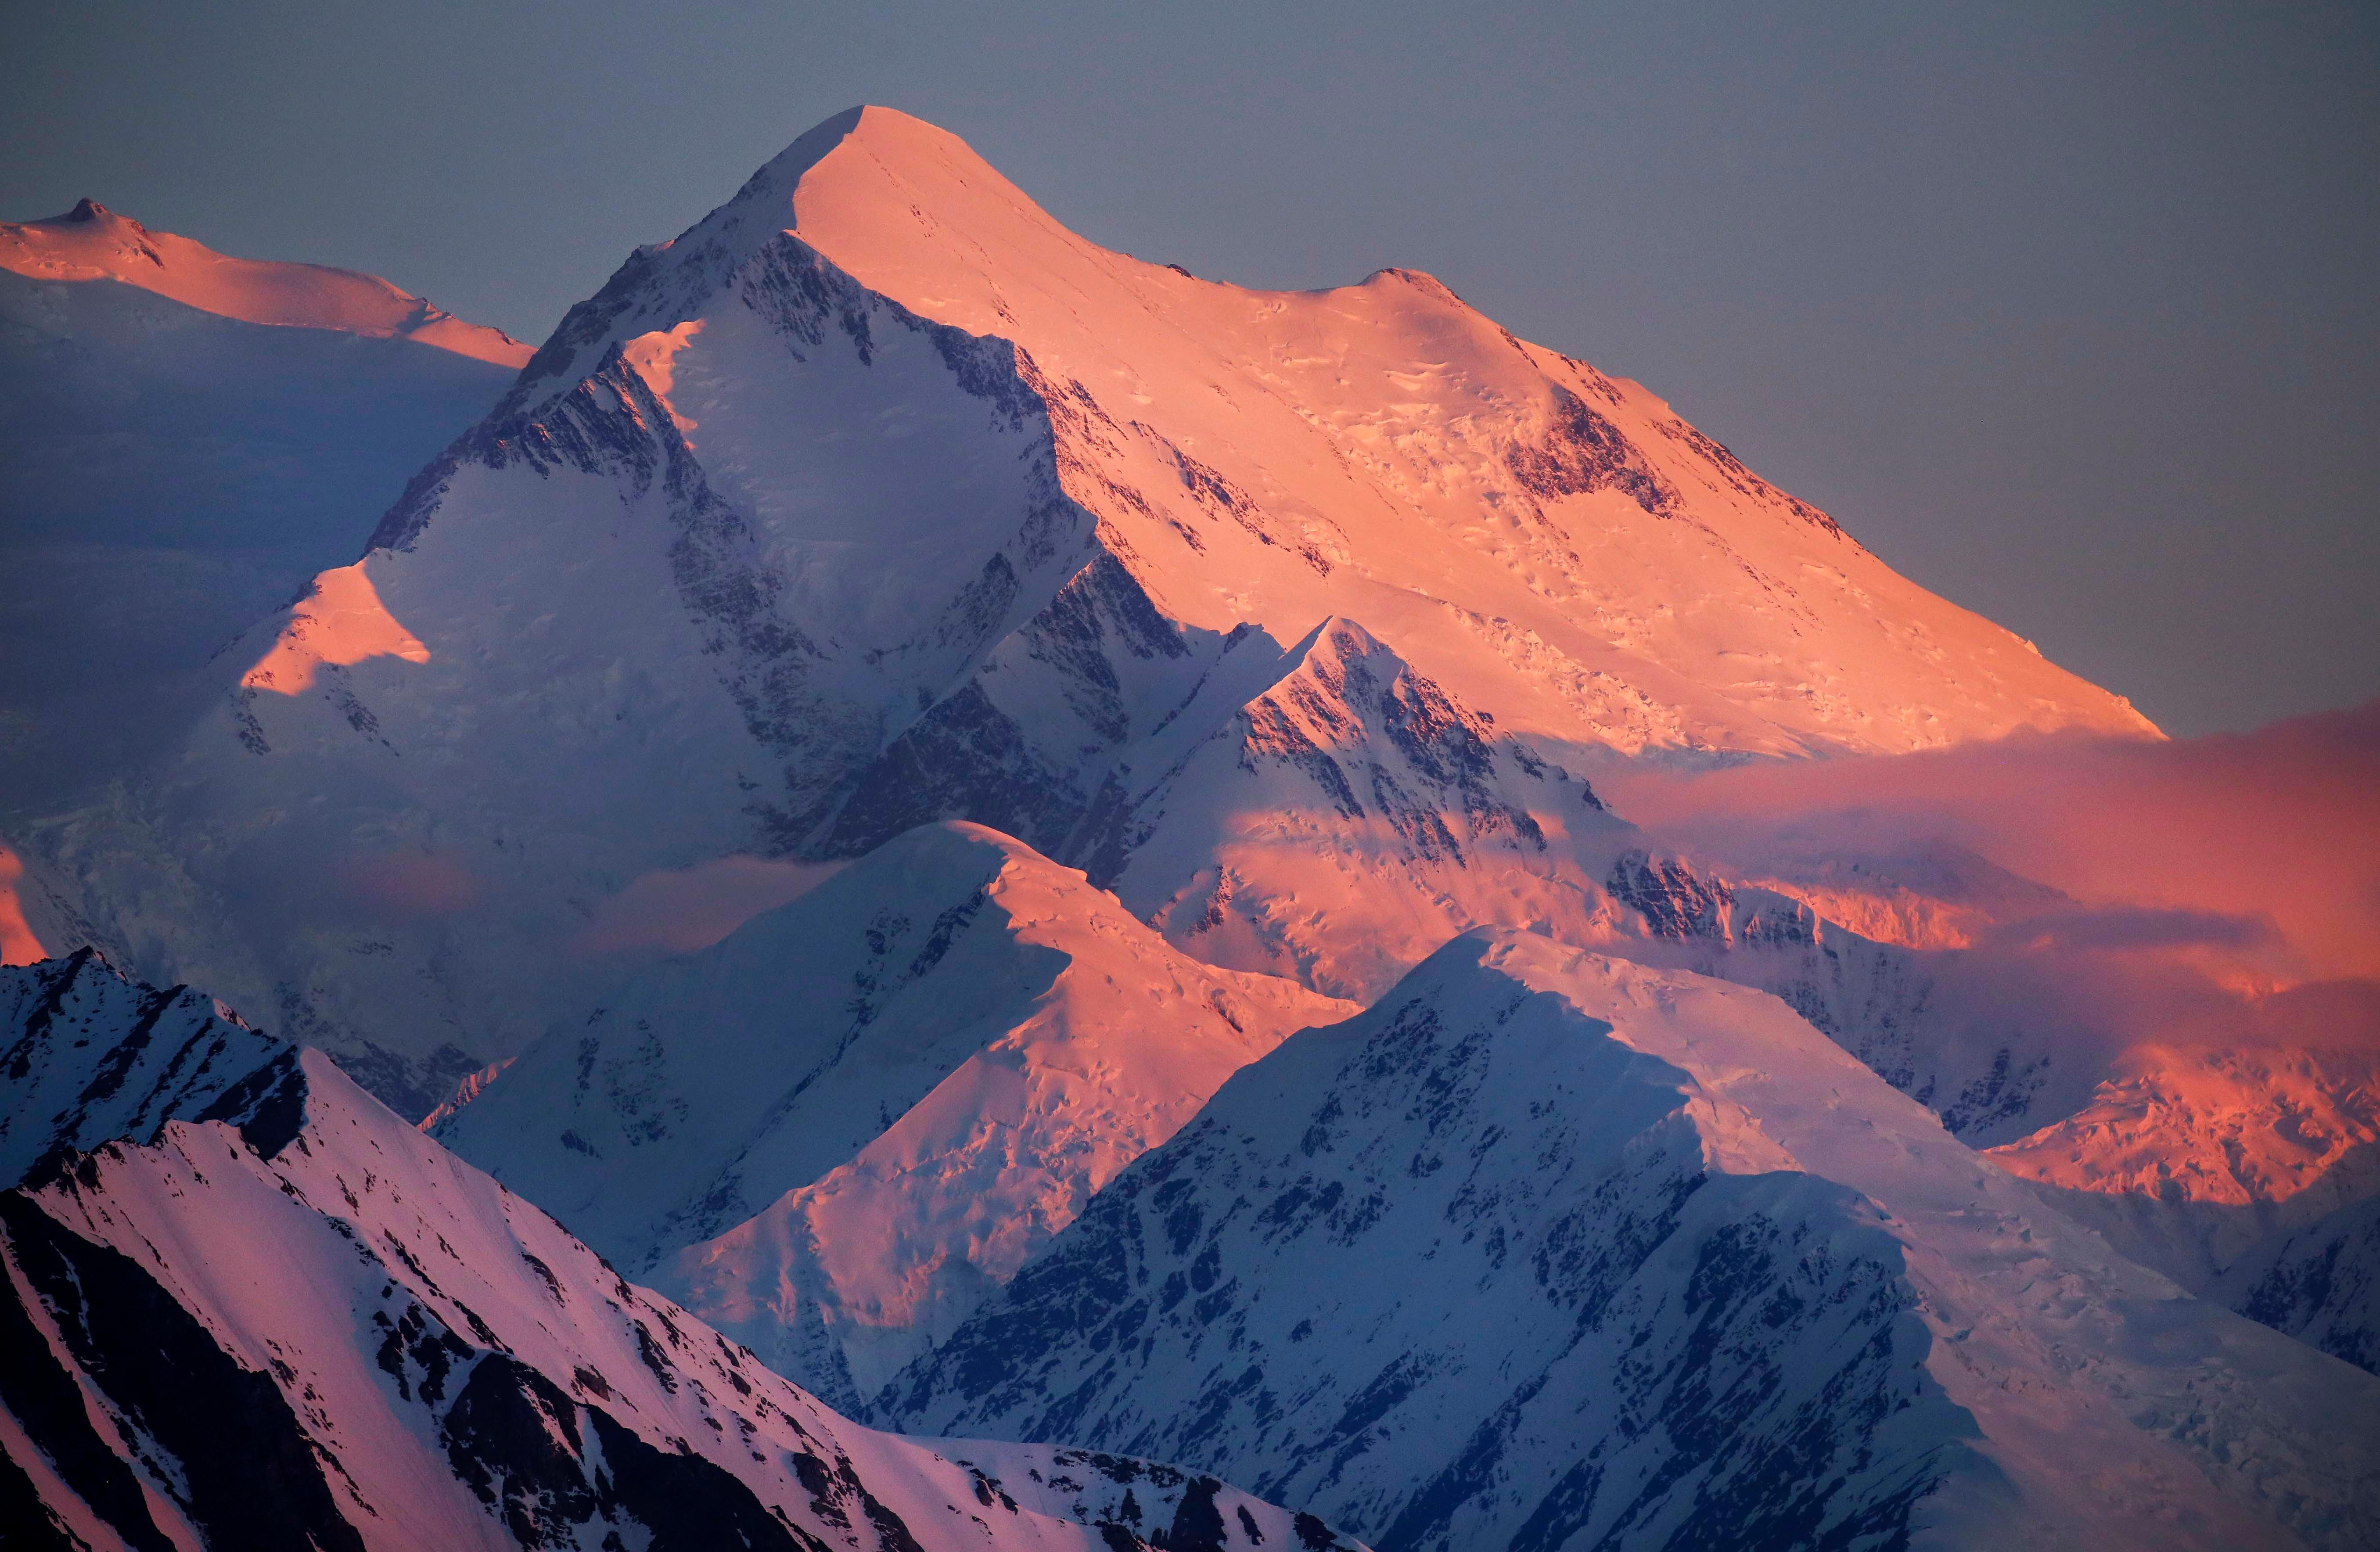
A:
[(252, 1477), (1583, 452)]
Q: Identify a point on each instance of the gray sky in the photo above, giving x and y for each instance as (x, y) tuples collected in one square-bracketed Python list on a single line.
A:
[(2070, 312)]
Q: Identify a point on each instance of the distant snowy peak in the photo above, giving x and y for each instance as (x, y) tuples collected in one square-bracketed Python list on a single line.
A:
[(2190, 1159), (297, 1322), (2219, 1125), (92, 242)]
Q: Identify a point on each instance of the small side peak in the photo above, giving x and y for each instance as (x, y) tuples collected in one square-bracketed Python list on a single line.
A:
[(1346, 637), (1333, 645), (1420, 280), (89, 212)]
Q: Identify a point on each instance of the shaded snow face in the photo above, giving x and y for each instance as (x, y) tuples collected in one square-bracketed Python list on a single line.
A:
[(2320, 1284), (716, 666), (186, 438), (1548, 1250), (295, 1322), (171, 476)]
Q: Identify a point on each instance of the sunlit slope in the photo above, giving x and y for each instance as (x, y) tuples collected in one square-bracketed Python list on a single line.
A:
[(93, 243), (832, 1133), (1464, 488), (1381, 451)]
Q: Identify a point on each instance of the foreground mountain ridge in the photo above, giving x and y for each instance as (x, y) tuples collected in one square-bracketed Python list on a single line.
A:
[(285, 1319), (1718, 1284)]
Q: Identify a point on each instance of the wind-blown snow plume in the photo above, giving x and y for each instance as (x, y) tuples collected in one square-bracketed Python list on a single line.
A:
[(2271, 838), (2194, 964)]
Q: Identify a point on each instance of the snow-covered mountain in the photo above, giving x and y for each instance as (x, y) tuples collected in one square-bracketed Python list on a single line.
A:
[(878, 498), (813, 1134), (833, 1133), (185, 438), (289, 1320), (1551, 1250), (817, 787), (2250, 1175)]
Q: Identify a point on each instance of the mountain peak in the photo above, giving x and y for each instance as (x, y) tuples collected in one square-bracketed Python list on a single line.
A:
[(906, 147), (965, 516), (86, 209)]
